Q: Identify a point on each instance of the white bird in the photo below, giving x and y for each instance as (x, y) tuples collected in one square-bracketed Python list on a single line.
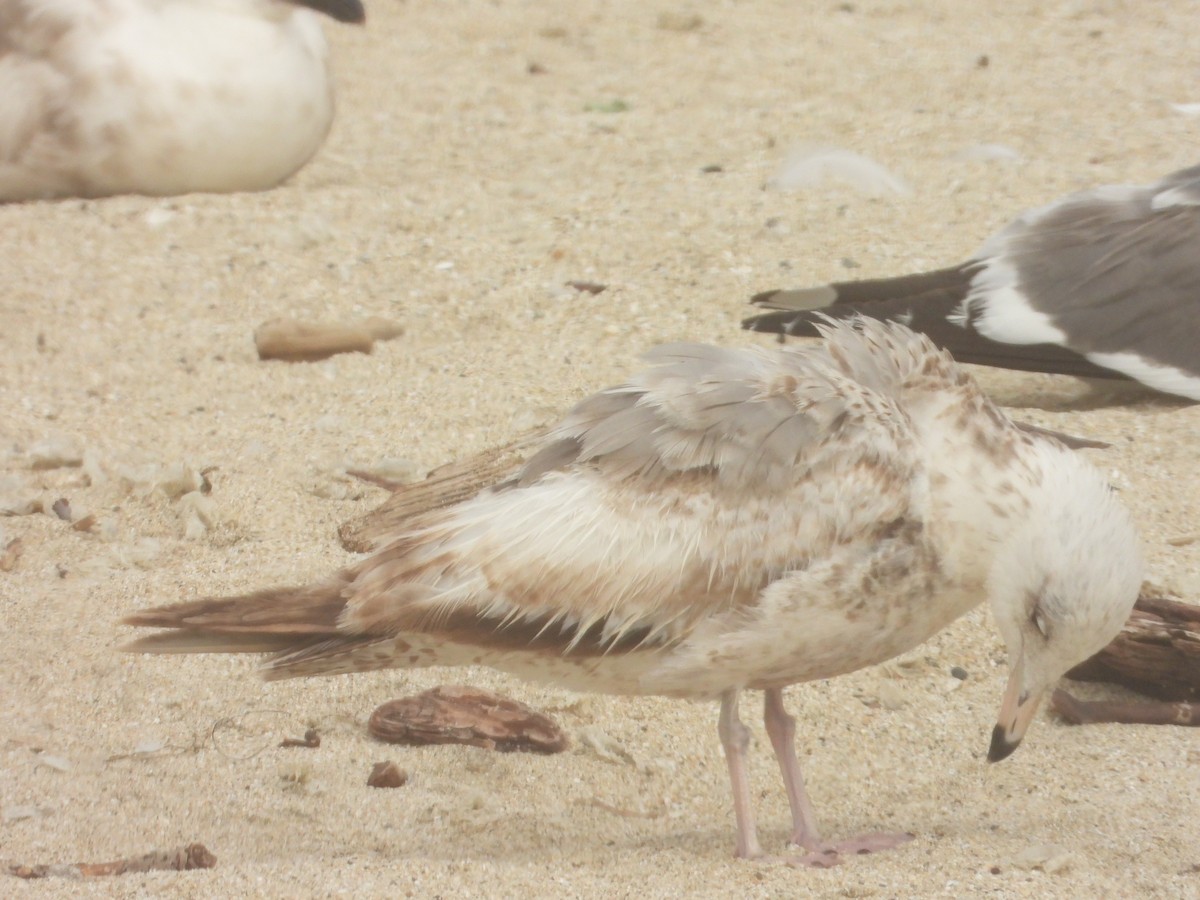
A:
[(729, 520), (102, 97), (1102, 283)]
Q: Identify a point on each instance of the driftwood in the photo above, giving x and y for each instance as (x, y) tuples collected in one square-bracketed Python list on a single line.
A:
[(294, 341), (1157, 652), (1140, 712)]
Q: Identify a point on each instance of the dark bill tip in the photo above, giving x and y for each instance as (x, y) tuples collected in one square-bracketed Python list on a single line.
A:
[(348, 11), (1001, 748)]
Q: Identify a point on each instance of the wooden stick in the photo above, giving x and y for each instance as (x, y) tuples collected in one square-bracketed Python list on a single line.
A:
[(179, 859)]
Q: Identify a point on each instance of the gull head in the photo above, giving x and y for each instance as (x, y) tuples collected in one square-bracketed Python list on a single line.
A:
[(1061, 586)]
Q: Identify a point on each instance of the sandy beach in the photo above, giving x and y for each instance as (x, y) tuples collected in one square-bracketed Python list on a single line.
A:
[(483, 155)]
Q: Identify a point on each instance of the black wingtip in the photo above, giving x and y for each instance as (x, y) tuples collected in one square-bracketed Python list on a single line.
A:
[(351, 12), (763, 298)]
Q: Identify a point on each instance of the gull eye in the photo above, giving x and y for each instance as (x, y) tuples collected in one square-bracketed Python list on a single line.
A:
[(1039, 622)]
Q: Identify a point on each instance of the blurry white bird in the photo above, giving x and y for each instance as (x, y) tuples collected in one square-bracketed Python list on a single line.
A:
[(729, 520), (101, 97)]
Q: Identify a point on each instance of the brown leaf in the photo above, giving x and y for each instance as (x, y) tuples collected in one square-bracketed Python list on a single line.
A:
[(10, 554)]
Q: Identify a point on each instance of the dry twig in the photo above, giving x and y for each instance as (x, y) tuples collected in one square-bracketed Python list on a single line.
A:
[(178, 859)]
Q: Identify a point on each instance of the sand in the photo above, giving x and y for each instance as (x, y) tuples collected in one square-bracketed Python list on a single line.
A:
[(457, 193)]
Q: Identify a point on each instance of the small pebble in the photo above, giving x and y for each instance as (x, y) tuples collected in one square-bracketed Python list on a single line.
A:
[(679, 21), (959, 672), (387, 775), (10, 554)]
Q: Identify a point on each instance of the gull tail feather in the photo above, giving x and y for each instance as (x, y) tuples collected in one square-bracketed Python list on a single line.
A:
[(275, 620)]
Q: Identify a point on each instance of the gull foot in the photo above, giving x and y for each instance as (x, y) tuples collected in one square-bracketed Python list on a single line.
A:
[(827, 854)]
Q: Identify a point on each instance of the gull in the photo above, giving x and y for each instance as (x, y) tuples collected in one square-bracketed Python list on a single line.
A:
[(729, 520), (161, 97), (1102, 283)]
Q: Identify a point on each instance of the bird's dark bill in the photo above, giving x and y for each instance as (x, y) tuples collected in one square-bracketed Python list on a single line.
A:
[(1001, 747), (350, 11)]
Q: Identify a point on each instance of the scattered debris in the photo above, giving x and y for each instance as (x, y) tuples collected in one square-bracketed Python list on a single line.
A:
[(387, 775), (84, 523), (712, 169), (812, 167), (1160, 712), (596, 741), (293, 341), (62, 508), (914, 665), (987, 153), (56, 452), (295, 775), (1184, 539), (180, 859), (10, 554), (57, 763), (1050, 859), (19, 813), (141, 554), (457, 714), (198, 511), (891, 696), (677, 20), (17, 498), (609, 106), (641, 813), (589, 287), (311, 740), (535, 68), (148, 747), (240, 730)]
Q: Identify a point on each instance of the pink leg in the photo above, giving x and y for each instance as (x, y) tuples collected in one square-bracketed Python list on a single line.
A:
[(781, 729), (735, 738)]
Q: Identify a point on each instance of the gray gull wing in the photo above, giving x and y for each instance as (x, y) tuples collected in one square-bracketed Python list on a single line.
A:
[(1102, 283)]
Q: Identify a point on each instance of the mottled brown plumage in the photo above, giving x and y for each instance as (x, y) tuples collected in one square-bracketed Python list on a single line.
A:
[(727, 519)]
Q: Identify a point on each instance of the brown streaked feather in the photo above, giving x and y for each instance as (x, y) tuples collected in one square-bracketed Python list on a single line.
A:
[(188, 640), (444, 486), (309, 610), (460, 631), (641, 518)]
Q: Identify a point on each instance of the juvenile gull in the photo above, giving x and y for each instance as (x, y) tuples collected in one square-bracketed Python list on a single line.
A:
[(161, 97), (1103, 283), (730, 520)]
